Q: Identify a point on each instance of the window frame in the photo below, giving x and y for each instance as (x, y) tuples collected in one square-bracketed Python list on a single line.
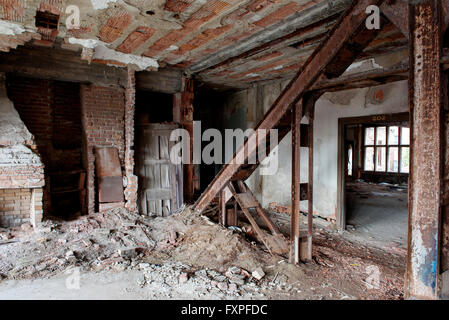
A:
[(387, 147)]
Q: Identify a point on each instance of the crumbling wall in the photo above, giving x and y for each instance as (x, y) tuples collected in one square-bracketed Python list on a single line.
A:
[(20, 167)]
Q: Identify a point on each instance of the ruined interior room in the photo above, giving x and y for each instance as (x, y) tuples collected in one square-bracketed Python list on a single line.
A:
[(224, 149)]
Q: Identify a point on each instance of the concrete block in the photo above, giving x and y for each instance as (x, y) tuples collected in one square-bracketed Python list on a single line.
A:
[(258, 273)]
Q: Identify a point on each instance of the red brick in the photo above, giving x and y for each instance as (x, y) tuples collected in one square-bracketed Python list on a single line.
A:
[(204, 14), (177, 6), (136, 39), (114, 27), (203, 38), (12, 10)]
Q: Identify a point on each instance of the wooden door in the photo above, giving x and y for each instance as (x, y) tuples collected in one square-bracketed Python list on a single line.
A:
[(159, 179)]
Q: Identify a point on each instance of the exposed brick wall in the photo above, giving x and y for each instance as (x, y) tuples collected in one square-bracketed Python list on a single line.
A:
[(32, 98), (15, 206), (103, 116), (51, 112)]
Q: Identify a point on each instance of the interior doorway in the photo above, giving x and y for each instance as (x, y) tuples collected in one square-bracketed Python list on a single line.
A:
[(373, 177)]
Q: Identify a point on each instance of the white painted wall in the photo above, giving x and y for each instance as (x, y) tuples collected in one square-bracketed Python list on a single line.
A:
[(328, 110)]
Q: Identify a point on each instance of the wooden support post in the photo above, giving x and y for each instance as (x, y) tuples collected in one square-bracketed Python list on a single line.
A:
[(296, 183), (187, 123), (310, 185), (423, 263)]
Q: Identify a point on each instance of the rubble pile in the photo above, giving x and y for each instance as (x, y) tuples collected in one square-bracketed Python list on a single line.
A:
[(187, 256)]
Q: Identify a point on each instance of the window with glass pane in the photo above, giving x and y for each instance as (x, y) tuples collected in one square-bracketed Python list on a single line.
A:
[(387, 149), (393, 159), (369, 159), (381, 134), (369, 136), (405, 158), (393, 135)]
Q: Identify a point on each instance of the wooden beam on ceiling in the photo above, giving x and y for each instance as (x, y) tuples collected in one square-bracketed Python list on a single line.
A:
[(59, 64)]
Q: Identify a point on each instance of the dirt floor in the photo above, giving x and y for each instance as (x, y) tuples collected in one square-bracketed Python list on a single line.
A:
[(378, 211), (121, 255)]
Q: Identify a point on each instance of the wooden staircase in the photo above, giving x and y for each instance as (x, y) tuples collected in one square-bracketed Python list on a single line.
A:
[(338, 51)]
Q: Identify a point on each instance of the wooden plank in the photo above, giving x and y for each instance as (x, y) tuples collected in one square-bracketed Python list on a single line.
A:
[(164, 80), (337, 40), (246, 200), (273, 228), (364, 79), (158, 193)]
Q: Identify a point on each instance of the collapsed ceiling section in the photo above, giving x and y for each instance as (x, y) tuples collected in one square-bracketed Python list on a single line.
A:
[(223, 42)]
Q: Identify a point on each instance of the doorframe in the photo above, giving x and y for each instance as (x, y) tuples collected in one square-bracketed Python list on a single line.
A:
[(341, 176)]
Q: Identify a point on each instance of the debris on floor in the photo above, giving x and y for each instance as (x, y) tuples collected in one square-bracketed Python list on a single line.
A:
[(187, 255)]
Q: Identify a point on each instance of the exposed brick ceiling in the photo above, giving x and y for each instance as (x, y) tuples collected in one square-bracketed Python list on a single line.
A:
[(226, 42)]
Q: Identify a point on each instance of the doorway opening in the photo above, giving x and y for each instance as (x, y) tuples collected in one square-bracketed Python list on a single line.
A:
[(374, 169)]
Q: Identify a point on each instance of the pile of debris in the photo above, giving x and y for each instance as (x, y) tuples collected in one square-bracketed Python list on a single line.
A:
[(188, 256)]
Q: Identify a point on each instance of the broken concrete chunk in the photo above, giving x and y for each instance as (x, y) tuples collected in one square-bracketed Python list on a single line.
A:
[(69, 253), (103, 231), (46, 229), (258, 273), (233, 287), (183, 277), (130, 252), (222, 286), (144, 265)]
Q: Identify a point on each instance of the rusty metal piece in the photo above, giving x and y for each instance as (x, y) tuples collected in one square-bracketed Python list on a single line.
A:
[(423, 264), (345, 41), (109, 175)]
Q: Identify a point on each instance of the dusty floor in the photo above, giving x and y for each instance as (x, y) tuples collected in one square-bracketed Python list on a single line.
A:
[(185, 256), (378, 212)]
